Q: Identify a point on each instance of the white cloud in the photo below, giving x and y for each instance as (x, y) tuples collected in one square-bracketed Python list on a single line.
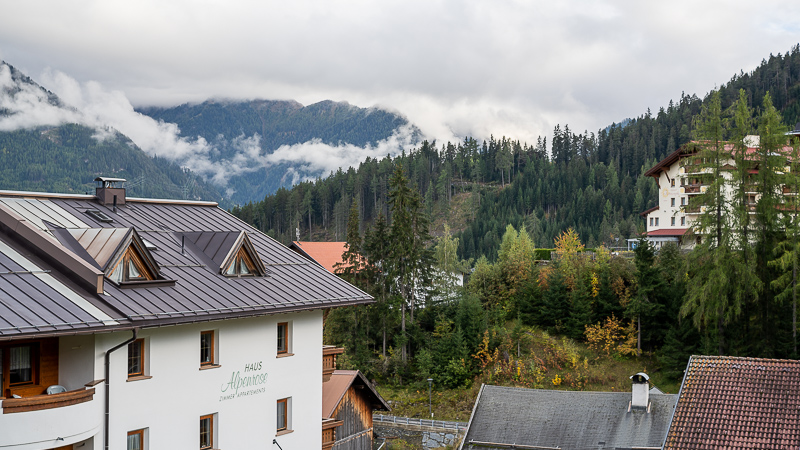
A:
[(452, 67), (107, 110)]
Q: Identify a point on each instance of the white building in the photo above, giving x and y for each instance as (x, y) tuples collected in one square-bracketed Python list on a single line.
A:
[(679, 178), (166, 324)]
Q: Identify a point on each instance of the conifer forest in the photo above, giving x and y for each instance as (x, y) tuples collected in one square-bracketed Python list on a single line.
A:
[(539, 232)]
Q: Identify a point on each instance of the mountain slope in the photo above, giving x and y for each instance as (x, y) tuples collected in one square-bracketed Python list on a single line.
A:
[(66, 157), (232, 128)]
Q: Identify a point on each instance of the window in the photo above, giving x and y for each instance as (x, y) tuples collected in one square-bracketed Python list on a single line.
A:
[(241, 266), (672, 182), (683, 221), (130, 268), (672, 201), (136, 358), (136, 440), (683, 201), (656, 221), (207, 431), (208, 348), (284, 416), (651, 221), (18, 365), (672, 222), (283, 339)]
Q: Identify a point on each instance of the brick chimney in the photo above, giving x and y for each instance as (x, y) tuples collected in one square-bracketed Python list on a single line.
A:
[(110, 191), (640, 398)]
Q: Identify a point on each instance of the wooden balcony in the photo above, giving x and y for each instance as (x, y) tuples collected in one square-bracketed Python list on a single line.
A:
[(329, 354), (41, 402), (40, 422)]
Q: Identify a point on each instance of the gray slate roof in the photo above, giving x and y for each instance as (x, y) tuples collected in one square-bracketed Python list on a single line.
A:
[(292, 283), (566, 419)]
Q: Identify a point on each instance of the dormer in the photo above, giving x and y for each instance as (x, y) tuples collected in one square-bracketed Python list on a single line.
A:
[(120, 253), (228, 253)]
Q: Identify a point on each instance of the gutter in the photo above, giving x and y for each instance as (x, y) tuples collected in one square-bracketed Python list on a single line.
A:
[(108, 389)]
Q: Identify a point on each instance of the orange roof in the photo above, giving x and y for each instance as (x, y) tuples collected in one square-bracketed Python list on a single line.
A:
[(326, 254), (335, 386), (737, 403)]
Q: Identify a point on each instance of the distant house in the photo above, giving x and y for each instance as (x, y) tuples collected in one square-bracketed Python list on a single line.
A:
[(326, 254), (506, 417), (737, 403), (348, 400)]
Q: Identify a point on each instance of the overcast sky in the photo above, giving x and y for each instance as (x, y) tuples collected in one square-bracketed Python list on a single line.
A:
[(454, 68)]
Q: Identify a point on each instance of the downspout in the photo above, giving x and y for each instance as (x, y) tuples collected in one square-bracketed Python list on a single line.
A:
[(108, 399)]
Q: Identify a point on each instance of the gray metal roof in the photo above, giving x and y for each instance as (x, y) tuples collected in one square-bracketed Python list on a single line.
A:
[(566, 419), (199, 294), (33, 300)]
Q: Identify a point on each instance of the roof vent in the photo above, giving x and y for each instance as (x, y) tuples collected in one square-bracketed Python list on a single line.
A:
[(98, 215), (110, 191)]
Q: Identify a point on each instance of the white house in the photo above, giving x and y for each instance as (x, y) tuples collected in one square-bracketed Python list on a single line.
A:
[(148, 324), (680, 177)]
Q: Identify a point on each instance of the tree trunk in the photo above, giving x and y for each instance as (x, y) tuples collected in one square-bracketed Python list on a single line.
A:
[(639, 336)]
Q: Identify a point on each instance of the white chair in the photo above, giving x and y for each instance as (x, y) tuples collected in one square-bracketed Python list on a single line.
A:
[(56, 389)]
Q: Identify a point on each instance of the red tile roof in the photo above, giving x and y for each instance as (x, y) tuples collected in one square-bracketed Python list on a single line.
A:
[(326, 254), (737, 403), (668, 232)]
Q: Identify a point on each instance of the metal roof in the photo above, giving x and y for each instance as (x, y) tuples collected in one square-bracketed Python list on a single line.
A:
[(33, 300), (566, 419), (199, 294)]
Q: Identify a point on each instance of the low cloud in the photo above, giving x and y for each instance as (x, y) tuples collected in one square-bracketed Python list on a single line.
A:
[(106, 110)]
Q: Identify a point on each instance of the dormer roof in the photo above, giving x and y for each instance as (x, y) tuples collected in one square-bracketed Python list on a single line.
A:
[(219, 249)]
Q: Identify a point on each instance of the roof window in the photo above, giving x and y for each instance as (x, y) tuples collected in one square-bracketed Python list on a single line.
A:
[(99, 215)]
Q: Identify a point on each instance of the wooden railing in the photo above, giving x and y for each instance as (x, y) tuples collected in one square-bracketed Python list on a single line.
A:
[(41, 402)]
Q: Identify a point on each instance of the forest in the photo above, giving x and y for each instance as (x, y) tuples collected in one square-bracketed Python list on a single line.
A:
[(579, 195)]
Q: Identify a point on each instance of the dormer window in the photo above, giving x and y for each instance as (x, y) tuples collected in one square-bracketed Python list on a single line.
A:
[(227, 253), (130, 268), (241, 266)]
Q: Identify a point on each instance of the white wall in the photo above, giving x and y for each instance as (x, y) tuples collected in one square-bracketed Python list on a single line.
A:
[(170, 404), (75, 361)]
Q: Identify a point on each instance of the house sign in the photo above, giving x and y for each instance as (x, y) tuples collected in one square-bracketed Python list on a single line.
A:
[(243, 384)]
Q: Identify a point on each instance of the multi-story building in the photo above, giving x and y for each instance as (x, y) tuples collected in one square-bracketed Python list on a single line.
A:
[(680, 177), (147, 324)]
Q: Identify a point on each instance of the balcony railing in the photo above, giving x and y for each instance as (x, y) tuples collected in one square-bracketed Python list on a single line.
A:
[(42, 422)]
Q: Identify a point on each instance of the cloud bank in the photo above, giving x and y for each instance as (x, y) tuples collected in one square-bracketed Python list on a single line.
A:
[(105, 110)]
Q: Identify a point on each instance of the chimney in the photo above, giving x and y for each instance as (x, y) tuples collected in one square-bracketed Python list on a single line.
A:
[(110, 191), (640, 390)]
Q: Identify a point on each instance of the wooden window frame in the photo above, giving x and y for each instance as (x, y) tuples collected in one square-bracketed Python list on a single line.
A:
[(285, 326), (132, 257), (5, 365), (241, 255), (210, 418), (140, 432), (212, 349), (141, 373), (284, 402), (34, 357)]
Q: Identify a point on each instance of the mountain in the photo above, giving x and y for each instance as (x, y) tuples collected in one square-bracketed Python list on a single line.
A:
[(230, 127), (66, 158), (589, 181)]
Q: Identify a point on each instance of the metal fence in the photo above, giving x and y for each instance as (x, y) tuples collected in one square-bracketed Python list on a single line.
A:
[(445, 425)]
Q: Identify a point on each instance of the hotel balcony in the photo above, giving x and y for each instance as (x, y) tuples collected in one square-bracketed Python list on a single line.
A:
[(694, 188), (42, 422), (44, 403)]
